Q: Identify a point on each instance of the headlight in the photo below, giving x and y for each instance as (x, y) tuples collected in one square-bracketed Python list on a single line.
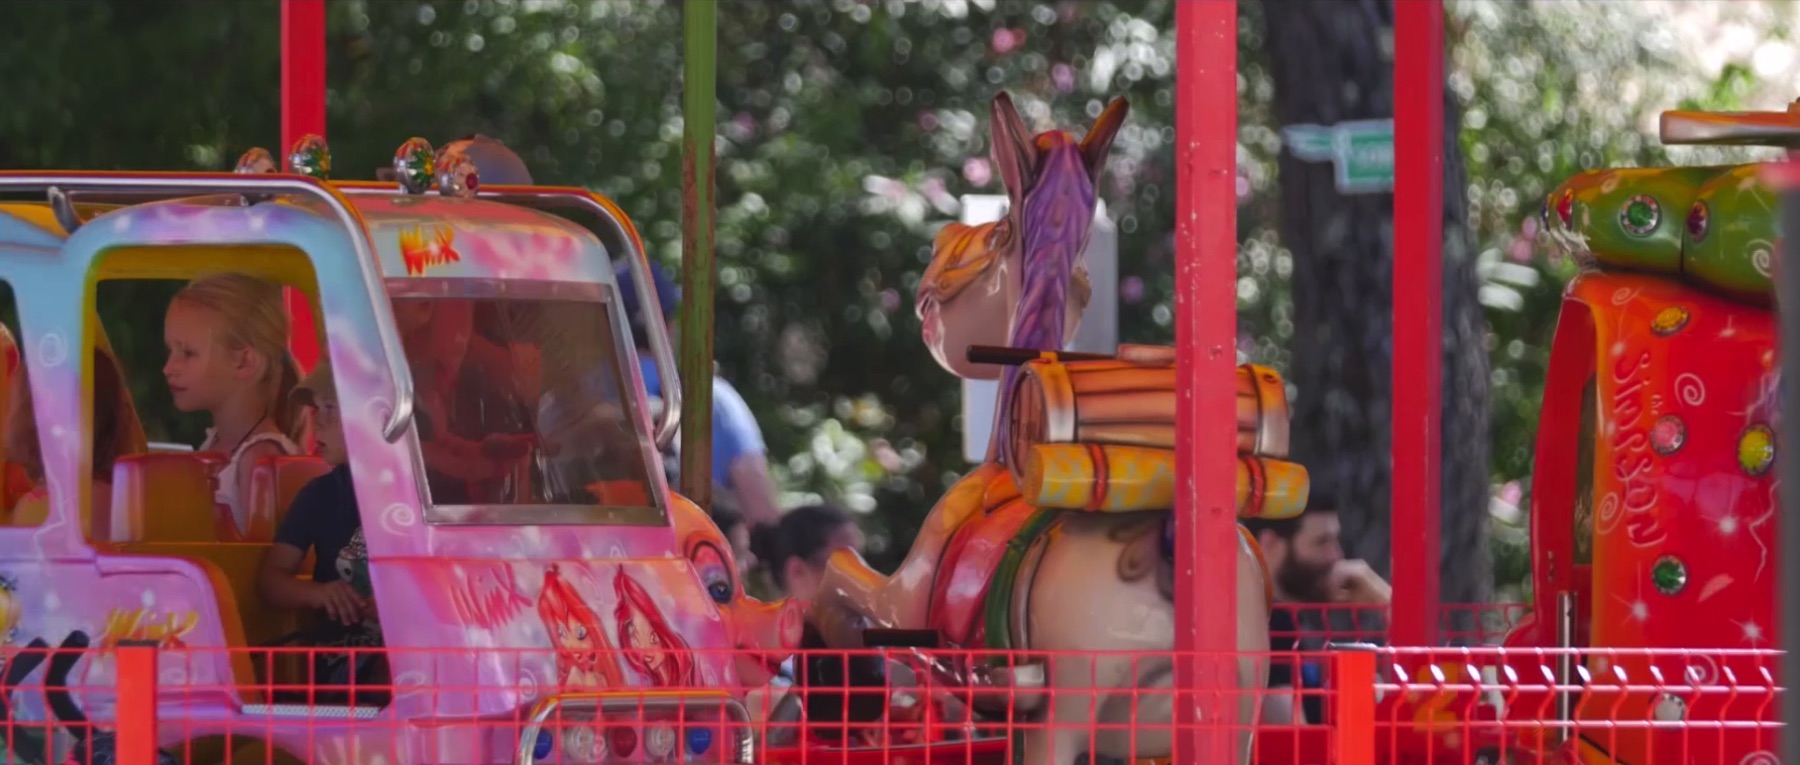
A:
[(699, 739), (659, 742), (581, 745)]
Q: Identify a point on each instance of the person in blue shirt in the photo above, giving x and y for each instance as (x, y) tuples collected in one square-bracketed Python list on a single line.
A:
[(323, 519), (740, 466)]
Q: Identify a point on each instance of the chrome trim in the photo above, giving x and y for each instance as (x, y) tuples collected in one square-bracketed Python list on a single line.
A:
[(1565, 660), (321, 712), (192, 184), (616, 233), (543, 515), (63, 206), (608, 703), (454, 287)]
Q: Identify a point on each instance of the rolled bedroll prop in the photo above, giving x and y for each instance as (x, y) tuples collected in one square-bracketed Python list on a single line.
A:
[(1126, 404), (1119, 479)]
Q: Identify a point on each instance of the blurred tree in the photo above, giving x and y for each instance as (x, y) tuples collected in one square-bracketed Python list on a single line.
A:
[(1329, 66)]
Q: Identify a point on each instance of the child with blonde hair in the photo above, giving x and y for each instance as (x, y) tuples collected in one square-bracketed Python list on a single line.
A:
[(227, 338)]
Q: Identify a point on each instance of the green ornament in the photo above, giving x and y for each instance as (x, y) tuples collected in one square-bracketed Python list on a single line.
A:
[(1669, 575), (1614, 217), (1641, 215), (311, 156), (414, 165)]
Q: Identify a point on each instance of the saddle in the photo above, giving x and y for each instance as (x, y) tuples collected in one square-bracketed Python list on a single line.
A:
[(987, 536)]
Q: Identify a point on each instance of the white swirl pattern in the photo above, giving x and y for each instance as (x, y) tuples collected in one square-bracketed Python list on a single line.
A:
[(53, 350), (1607, 515), (1762, 258), (397, 518), (1691, 389)]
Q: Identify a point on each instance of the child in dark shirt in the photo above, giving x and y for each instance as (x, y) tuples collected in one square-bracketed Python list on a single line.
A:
[(324, 519)]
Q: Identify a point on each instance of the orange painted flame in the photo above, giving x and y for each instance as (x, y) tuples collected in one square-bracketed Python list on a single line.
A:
[(167, 630), (422, 247)]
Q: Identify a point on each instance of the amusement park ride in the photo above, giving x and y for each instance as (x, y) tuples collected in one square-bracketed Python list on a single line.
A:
[(1080, 597)]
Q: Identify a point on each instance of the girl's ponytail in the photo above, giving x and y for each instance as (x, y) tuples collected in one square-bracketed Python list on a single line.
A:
[(286, 379)]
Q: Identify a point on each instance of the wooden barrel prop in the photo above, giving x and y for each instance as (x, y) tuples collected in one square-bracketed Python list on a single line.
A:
[(1125, 404), (1118, 479)]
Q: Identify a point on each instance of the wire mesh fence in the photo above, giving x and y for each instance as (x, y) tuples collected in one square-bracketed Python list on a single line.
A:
[(1348, 704)]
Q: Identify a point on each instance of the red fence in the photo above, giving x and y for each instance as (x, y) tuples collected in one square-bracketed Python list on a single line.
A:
[(904, 707)]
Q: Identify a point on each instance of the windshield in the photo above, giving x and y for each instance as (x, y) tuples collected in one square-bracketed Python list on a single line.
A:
[(523, 402)]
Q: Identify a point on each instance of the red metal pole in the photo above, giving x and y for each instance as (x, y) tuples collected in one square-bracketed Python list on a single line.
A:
[(1353, 729), (1206, 541), (302, 112), (1418, 318), (135, 727)]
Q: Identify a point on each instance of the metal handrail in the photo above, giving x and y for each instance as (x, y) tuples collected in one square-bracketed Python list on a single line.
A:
[(542, 197), (611, 702), (60, 186)]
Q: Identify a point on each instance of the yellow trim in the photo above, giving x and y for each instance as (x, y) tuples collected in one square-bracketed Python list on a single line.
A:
[(276, 262)]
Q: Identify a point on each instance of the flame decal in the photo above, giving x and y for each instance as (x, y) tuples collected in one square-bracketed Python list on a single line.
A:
[(422, 247), (489, 599)]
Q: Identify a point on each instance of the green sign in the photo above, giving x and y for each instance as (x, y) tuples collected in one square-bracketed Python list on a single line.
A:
[(1362, 152)]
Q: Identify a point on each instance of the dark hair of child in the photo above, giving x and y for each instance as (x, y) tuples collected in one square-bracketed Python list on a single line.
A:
[(804, 533)]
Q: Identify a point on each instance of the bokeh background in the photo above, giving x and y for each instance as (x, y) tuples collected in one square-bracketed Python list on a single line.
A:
[(849, 128)]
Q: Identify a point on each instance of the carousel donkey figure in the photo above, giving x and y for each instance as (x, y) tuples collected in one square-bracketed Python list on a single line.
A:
[(1058, 550)]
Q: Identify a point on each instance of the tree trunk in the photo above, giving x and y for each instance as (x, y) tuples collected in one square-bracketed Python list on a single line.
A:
[(1328, 63)]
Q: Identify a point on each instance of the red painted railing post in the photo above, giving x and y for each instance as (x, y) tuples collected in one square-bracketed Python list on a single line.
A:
[(1353, 727), (1206, 539), (302, 112), (135, 730), (1418, 320)]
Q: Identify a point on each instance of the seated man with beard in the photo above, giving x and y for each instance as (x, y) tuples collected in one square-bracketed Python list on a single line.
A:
[(1309, 569)]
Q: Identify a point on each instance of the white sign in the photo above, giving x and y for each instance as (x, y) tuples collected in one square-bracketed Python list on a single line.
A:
[(1099, 332)]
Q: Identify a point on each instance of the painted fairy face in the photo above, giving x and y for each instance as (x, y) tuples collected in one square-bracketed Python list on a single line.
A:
[(571, 635), (641, 636)]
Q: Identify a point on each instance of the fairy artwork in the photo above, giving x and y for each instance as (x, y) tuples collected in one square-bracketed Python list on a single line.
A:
[(651, 646), (584, 659)]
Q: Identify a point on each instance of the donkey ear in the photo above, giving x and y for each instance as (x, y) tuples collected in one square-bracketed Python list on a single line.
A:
[(1014, 151), (1098, 141)]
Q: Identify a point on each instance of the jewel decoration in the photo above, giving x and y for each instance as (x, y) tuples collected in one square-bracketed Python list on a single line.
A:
[(699, 739), (1669, 575), (582, 744), (256, 161), (1697, 221), (623, 740), (1756, 449), (456, 175), (1668, 435), (1669, 708), (1669, 320), (659, 742), (413, 165), (1565, 208), (311, 156), (1641, 215)]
